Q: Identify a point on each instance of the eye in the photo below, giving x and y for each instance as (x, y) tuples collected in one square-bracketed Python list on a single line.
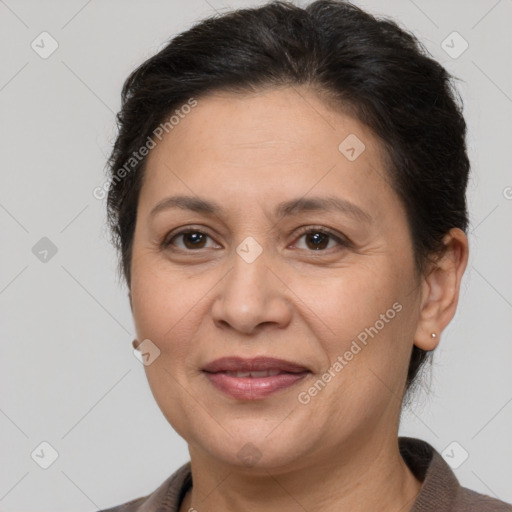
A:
[(192, 239), (319, 238), (316, 239)]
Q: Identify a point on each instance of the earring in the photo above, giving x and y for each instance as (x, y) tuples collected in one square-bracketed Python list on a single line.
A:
[(433, 335)]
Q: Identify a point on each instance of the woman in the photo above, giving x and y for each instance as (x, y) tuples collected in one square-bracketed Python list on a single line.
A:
[(288, 199)]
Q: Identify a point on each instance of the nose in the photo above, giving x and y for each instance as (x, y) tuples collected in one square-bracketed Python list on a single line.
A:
[(252, 296)]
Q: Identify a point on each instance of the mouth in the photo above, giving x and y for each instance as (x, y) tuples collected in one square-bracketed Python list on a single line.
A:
[(255, 374), (254, 366), (253, 379)]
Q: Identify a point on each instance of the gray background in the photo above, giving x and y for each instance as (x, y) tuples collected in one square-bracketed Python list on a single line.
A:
[(67, 372)]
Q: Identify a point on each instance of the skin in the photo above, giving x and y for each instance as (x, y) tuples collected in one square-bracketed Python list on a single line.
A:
[(248, 153)]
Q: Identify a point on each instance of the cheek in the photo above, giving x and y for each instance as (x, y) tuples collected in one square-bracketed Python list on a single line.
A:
[(164, 312), (348, 300), (362, 317), (160, 300), (169, 309)]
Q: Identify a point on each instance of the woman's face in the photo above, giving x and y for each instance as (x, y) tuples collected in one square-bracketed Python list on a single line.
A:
[(248, 282)]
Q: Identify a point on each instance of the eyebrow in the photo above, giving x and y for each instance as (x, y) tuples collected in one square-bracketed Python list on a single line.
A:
[(284, 209)]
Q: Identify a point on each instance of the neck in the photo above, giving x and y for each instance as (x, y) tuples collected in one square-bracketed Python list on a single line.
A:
[(369, 476)]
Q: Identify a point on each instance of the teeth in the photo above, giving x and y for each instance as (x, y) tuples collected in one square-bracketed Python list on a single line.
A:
[(239, 374), (263, 373)]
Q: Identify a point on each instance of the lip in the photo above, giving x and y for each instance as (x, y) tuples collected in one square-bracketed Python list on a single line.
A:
[(253, 388), (234, 364)]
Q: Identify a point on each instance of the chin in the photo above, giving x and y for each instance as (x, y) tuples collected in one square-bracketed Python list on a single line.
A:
[(256, 447)]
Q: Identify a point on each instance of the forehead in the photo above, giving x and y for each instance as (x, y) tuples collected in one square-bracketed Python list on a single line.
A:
[(291, 123), (270, 144)]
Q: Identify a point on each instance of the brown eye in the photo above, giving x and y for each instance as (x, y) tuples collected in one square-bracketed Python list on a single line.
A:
[(194, 240), (317, 239), (190, 240)]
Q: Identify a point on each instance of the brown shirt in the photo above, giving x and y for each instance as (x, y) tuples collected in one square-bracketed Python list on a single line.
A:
[(440, 490)]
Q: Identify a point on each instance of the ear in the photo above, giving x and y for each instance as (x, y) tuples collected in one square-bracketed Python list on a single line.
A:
[(135, 342), (440, 290)]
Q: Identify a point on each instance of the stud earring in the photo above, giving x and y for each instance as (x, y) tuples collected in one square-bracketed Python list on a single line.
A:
[(433, 335)]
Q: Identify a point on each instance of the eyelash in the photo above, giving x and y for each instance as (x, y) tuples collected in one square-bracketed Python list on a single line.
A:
[(307, 230)]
